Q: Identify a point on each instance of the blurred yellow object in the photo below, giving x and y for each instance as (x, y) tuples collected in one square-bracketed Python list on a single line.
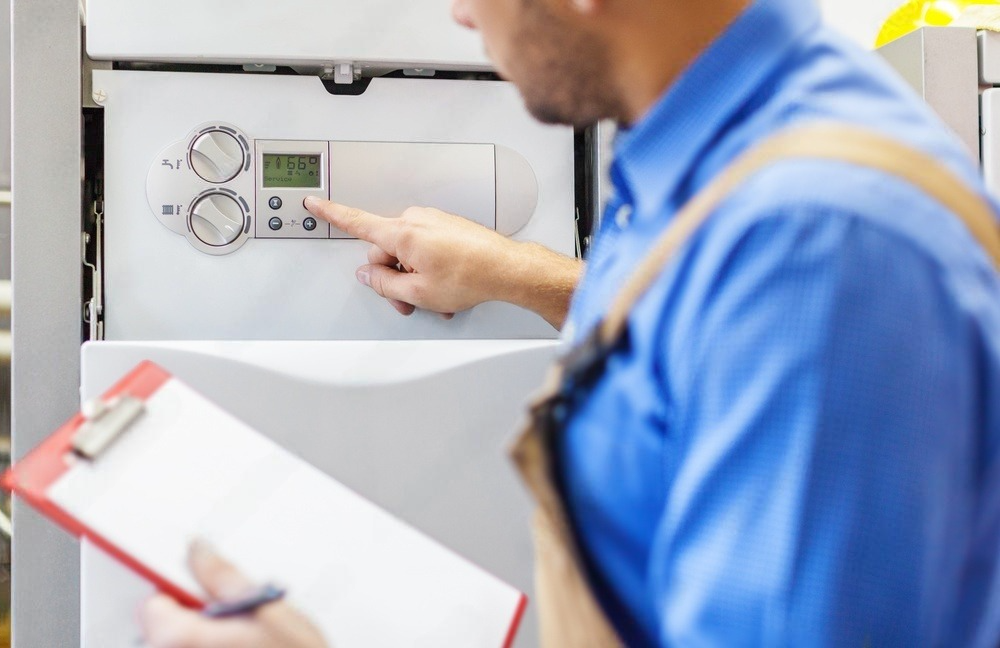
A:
[(925, 13)]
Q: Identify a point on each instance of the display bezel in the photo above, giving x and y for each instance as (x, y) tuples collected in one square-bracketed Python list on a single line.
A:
[(289, 199)]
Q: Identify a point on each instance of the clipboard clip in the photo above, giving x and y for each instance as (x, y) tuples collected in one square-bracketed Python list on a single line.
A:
[(104, 423)]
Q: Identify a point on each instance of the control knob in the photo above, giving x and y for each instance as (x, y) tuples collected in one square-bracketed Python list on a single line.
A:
[(216, 156), (217, 219)]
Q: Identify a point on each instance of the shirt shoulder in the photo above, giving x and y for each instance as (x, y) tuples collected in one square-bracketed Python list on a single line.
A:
[(815, 246), (809, 193)]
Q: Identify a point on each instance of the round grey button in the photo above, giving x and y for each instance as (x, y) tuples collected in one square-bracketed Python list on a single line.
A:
[(309, 224), (274, 202), (217, 220), (217, 157), (275, 223)]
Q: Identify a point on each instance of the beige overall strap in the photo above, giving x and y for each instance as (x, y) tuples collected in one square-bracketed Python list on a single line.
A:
[(833, 142)]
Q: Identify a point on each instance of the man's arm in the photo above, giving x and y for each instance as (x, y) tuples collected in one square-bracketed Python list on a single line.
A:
[(540, 280), (825, 393), (443, 263)]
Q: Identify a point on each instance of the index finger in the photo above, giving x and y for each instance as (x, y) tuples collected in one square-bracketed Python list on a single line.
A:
[(358, 223), (220, 579)]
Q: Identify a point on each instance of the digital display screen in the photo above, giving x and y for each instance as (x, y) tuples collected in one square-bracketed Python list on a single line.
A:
[(292, 171)]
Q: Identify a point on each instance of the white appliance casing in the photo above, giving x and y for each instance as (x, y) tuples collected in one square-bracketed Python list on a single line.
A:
[(381, 34), (159, 287), (413, 413)]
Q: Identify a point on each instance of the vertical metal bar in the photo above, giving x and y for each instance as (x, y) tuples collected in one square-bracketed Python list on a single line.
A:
[(5, 268), (46, 143), (605, 148)]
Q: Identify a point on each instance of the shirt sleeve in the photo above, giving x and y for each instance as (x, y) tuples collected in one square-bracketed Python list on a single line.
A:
[(825, 395)]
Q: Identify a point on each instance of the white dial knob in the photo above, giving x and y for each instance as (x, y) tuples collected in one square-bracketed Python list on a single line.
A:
[(217, 219), (217, 156)]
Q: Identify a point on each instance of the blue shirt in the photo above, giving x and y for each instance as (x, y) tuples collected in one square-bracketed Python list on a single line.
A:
[(799, 444)]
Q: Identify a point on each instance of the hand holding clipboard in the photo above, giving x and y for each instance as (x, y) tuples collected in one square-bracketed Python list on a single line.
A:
[(157, 465), (268, 624)]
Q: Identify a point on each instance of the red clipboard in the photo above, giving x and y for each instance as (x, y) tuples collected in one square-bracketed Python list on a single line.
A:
[(36, 474), (31, 478)]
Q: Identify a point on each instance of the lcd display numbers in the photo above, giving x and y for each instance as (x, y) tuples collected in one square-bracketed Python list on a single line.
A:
[(292, 171)]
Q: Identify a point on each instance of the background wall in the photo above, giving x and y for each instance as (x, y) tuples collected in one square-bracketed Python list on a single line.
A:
[(859, 19)]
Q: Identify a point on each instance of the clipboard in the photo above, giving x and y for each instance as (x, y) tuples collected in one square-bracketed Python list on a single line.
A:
[(153, 464)]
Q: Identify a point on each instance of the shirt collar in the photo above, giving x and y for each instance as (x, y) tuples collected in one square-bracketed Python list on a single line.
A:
[(653, 157)]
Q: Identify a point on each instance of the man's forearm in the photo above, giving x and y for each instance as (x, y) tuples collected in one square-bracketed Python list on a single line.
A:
[(539, 280)]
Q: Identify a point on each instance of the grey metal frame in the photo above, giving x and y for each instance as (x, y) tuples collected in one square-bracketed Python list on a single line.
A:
[(46, 145), (5, 137), (942, 65)]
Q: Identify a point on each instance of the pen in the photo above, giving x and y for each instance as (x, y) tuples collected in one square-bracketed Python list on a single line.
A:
[(248, 604)]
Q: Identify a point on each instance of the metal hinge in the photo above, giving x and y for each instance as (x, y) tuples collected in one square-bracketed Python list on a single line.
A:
[(93, 308)]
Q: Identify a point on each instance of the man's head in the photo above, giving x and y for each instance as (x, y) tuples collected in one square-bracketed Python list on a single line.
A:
[(546, 48), (580, 61)]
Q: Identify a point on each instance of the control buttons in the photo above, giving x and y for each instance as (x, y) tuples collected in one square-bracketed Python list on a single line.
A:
[(275, 223), (216, 156), (274, 202), (217, 219), (309, 224)]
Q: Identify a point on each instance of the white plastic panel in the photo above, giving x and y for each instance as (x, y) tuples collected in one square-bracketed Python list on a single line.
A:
[(386, 178), (941, 65), (990, 116), (419, 428), (989, 58), (379, 33), (159, 287)]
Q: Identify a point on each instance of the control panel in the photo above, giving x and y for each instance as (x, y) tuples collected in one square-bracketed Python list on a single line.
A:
[(287, 173), (220, 188)]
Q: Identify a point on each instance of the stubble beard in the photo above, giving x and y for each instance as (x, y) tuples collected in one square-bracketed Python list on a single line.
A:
[(565, 76)]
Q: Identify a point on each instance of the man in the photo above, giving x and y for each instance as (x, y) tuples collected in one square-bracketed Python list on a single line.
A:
[(798, 444)]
